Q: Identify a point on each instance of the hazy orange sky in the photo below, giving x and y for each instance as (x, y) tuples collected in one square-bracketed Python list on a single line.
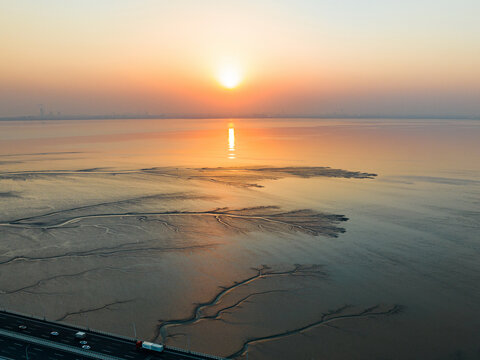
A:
[(354, 57)]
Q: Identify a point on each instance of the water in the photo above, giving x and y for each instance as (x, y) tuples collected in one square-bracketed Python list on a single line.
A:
[(121, 221)]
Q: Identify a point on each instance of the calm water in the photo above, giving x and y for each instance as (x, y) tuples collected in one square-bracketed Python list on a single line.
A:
[(412, 238)]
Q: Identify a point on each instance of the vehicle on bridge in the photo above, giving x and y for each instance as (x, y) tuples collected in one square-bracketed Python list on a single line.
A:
[(149, 346), (80, 335)]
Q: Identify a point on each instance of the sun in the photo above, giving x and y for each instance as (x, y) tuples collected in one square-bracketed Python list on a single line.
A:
[(229, 76)]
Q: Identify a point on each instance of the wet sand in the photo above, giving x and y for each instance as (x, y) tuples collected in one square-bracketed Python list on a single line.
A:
[(281, 261)]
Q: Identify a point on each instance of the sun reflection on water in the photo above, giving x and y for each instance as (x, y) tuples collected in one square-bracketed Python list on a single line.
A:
[(231, 142)]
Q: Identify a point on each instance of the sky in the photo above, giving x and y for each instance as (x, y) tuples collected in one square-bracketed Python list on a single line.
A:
[(310, 57)]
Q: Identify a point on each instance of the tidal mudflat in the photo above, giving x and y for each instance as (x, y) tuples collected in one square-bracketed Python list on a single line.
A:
[(305, 239)]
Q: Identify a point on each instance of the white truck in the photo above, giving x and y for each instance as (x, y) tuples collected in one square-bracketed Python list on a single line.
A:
[(145, 345)]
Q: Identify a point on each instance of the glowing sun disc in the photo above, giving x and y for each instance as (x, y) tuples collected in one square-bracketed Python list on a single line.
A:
[(229, 77)]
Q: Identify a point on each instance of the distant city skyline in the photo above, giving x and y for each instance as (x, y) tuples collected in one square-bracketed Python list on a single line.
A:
[(378, 58)]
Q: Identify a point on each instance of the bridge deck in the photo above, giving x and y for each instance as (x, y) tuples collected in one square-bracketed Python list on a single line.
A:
[(16, 342)]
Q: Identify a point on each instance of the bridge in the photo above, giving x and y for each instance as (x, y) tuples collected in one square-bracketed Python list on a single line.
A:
[(32, 338)]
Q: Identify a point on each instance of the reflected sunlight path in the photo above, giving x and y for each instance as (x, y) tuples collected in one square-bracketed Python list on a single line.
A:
[(231, 142)]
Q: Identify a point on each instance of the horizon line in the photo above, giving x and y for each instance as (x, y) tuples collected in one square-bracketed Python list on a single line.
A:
[(235, 116)]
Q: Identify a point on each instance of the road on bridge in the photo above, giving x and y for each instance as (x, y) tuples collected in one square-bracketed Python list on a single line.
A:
[(21, 335)]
